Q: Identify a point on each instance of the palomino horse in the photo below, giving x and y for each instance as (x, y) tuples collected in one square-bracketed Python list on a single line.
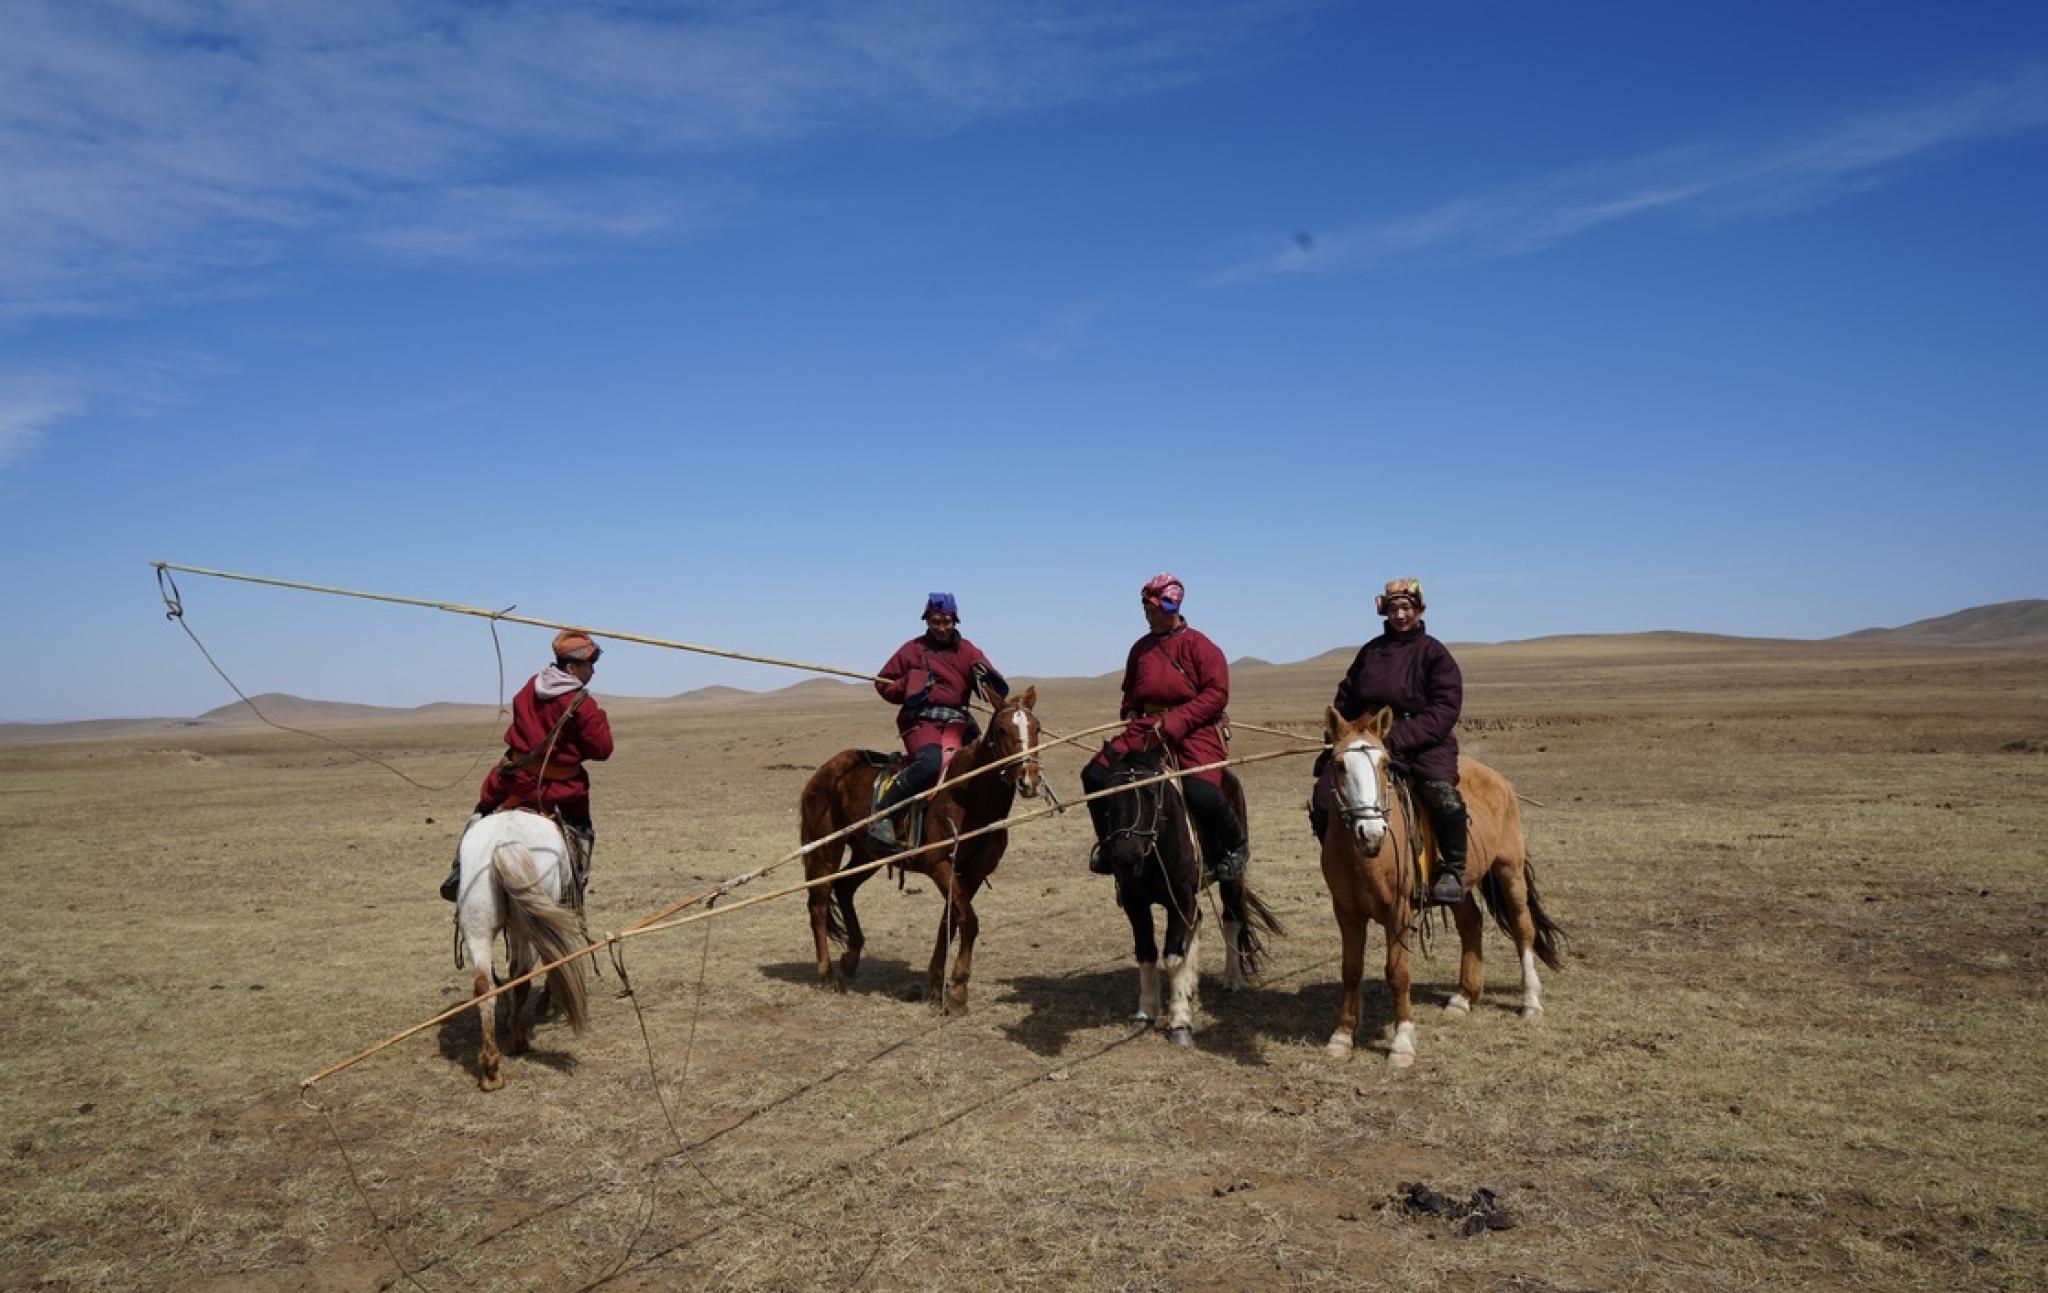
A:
[(841, 792), (1371, 882), (515, 875), (1149, 840)]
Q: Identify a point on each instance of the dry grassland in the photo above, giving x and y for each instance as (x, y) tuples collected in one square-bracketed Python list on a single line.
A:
[(1800, 1041)]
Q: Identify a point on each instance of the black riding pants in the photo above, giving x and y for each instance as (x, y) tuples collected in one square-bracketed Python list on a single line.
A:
[(918, 775)]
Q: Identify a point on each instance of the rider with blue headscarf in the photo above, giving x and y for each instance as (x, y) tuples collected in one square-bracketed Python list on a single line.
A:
[(930, 679)]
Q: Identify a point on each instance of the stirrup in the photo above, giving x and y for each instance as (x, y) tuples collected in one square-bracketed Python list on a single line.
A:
[(1232, 864)]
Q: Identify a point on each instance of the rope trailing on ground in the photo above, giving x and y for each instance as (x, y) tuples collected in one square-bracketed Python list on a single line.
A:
[(659, 926)]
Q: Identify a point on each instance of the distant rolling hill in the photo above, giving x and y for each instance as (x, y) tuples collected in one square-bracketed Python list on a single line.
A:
[(2020, 623)]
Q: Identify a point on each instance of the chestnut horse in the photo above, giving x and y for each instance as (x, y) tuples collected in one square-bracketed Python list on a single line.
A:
[(1152, 848), (515, 878), (841, 792), (1371, 882)]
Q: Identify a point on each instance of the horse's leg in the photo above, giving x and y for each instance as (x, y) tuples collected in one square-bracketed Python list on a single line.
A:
[(1183, 962), (1233, 933), (969, 925), (488, 1078), (1471, 966), (1402, 1053), (1354, 927), (1145, 950), (947, 881), (1514, 892), (518, 961), (818, 864), (842, 893)]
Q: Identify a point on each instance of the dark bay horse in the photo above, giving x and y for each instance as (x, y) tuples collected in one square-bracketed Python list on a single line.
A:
[(1369, 865), (841, 792), (1152, 845)]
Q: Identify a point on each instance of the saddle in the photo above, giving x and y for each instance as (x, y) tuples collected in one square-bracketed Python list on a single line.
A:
[(1421, 833), (909, 819)]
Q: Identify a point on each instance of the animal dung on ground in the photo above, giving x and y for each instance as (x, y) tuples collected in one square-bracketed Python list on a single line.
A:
[(1476, 1215)]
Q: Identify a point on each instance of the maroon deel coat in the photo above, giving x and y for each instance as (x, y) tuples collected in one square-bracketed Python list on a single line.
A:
[(585, 737), (1414, 675), (950, 671), (1181, 679)]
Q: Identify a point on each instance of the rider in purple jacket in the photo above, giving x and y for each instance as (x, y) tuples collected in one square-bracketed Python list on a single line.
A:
[(1407, 670)]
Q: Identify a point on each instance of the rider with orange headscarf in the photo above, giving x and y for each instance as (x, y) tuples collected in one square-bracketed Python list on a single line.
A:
[(557, 726), (1176, 687)]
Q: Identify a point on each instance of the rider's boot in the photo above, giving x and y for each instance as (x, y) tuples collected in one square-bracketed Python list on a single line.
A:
[(1230, 863), (883, 830), (1098, 864), (451, 888), (1447, 814)]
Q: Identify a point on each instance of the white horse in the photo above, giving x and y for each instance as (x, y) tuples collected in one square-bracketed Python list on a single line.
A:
[(515, 878)]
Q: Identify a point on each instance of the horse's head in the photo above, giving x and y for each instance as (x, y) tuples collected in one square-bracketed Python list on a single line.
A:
[(1014, 730), (1132, 821), (1360, 752)]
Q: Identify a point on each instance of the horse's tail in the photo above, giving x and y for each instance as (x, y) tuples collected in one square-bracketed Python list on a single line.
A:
[(816, 817), (1257, 919), (1549, 934), (544, 924)]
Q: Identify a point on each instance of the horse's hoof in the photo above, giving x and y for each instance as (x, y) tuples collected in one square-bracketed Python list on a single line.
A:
[(1339, 1048), (1457, 1005), (1181, 1035), (1532, 1014), (955, 1003), (849, 965), (489, 1081), (1401, 1059)]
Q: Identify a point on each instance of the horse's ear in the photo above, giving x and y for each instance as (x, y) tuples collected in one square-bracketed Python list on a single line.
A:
[(1030, 696), (1380, 723), (1333, 723)]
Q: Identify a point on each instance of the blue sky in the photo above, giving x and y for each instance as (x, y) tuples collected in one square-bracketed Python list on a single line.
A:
[(748, 324)]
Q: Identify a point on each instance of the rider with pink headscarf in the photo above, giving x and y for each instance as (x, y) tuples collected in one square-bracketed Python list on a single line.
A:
[(1176, 688)]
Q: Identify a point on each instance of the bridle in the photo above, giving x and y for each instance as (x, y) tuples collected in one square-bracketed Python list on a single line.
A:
[(1014, 774), (1354, 814), (1150, 809)]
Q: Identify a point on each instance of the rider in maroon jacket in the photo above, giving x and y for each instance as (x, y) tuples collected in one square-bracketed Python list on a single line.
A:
[(1407, 670), (930, 678), (557, 725), (1176, 687)]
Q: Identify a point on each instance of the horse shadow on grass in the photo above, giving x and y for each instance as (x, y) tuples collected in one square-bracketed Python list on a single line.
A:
[(880, 976), (461, 1041), (1236, 1026)]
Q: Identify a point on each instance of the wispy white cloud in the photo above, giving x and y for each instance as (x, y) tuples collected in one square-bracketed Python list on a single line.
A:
[(151, 146), (1705, 181), (29, 407)]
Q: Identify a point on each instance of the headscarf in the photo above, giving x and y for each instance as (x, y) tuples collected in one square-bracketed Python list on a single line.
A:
[(1164, 591)]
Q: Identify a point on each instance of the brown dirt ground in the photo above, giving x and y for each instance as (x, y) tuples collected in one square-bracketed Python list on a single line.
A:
[(1799, 1041)]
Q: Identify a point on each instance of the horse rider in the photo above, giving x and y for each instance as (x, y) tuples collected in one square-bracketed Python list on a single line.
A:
[(557, 726), (1410, 672), (930, 679), (1176, 688)]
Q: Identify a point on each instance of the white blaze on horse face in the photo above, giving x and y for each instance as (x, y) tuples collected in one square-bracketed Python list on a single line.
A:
[(1027, 773), (1358, 788)]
